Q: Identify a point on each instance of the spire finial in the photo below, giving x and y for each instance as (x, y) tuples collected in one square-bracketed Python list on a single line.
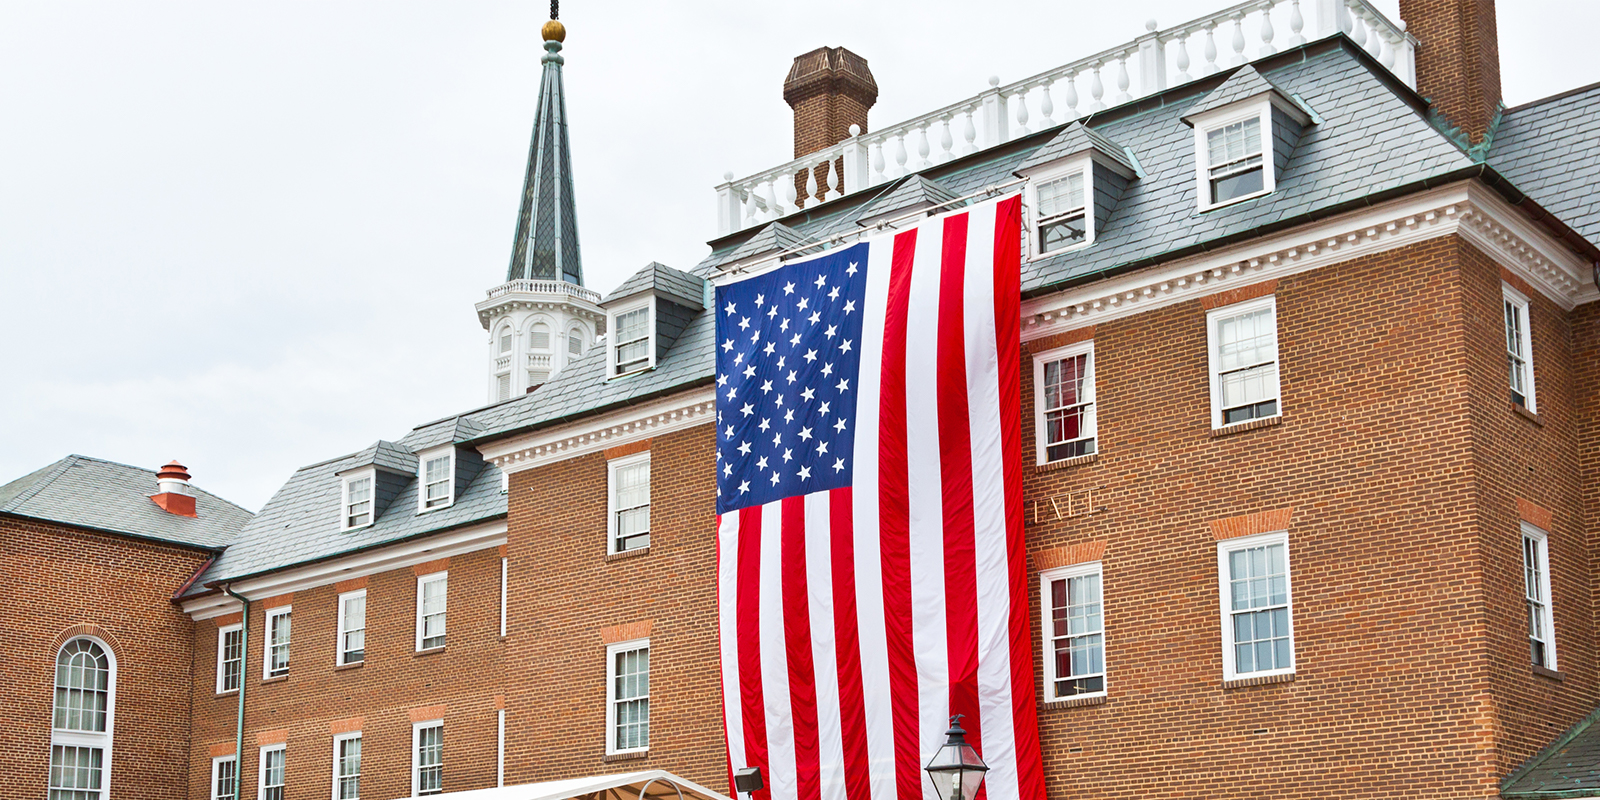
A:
[(555, 9), (554, 31)]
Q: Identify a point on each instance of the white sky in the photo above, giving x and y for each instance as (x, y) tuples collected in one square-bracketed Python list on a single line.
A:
[(249, 235)]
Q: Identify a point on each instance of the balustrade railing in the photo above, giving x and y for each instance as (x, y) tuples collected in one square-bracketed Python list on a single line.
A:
[(1195, 49), (544, 287)]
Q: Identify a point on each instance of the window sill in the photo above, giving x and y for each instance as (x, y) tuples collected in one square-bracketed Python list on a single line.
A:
[(1241, 427), (1075, 461), (1549, 673), (275, 679), (1522, 411), (351, 665), (229, 693), (626, 554), (1232, 201), (1074, 702), (429, 651), (611, 758), (1263, 680)]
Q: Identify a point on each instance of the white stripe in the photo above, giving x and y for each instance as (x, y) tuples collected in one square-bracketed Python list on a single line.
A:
[(995, 691), (925, 496), (774, 658), (874, 641), (824, 655), (728, 626)]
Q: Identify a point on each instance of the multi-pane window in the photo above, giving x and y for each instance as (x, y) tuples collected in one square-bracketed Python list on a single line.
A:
[(1257, 626), (347, 767), (272, 772), (431, 591), (225, 778), (1061, 213), (277, 655), (1244, 362), (628, 697), (1064, 415), (76, 773), (436, 484), (1235, 164), (427, 758), (83, 687), (230, 658), (358, 501), (1519, 356), (353, 627), (1074, 632), (629, 502), (632, 341), (539, 337), (1536, 588)]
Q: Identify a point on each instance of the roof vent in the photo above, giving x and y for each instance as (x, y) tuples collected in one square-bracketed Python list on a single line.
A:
[(174, 496)]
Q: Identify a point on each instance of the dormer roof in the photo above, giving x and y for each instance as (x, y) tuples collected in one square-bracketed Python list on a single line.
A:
[(776, 237), (1246, 84), (441, 432), (915, 193), (387, 456), (1077, 139), (665, 282)]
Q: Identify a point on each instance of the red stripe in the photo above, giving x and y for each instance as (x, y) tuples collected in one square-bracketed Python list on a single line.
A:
[(847, 644), (894, 522), (722, 602), (797, 646), (1008, 329), (955, 470), (753, 703)]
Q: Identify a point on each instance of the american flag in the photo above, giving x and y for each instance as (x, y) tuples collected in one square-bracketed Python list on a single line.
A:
[(871, 566)]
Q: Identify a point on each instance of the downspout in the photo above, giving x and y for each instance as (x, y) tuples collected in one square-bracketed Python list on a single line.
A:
[(244, 679)]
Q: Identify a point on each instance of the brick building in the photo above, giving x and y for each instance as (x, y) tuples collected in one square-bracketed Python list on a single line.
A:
[(1311, 353)]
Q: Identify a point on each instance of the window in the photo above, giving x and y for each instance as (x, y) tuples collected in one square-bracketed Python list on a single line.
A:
[(1064, 409), (438, 486), (1061, 217), (631, 332), (1536, 586), (1519, 350), (505, 567), (225, 778), (353, 627), (347, 766), (1235, 160), (575, 342), (1074, 632), (427, 758), (629, 527), (628, 697), (505, 341), (230, 658), (430, 610), (1244, 362), (81, 721), (271, 773), (1257, 625), (503, 386), (357, 501), (275, 662), (1234, 147), (539, 337)]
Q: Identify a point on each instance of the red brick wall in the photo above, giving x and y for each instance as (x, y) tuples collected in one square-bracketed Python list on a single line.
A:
[(381, 698), (1458, 59), (59, 579)]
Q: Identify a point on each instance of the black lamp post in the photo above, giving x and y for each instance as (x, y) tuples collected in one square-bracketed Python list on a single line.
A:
[(956, 769)]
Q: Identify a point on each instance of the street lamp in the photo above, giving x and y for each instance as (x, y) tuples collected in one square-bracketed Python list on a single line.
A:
[(956, 769)]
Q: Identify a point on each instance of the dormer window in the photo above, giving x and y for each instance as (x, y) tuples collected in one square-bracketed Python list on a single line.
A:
[(1075, 177), (437, 481), (1245, 132), (630, 347), (1236, 166), (1061, 213), (357, 501)]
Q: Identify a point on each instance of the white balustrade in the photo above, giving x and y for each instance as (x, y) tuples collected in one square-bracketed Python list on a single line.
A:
[(528, 286), (1003, 112)]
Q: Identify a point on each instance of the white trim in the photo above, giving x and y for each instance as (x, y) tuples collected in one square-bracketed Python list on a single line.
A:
[(647, 301), (433, 454), (416, 748), (1259, 107), (371, 475), (611, 496), (1523, 308), (266, 640), (102, 740), (1531, 531), (1083, 164), (1224, 577), (341, 630), (216, 767), (442, 576), (599, 432), (261, 769), (1213, 366), (1045, 618), (337, 739), (1085, 347), (222, 637), (500, 748), (505, 569), (611, 693)]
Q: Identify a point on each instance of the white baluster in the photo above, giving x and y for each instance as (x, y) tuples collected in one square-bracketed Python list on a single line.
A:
[(1211, 50), (945, 142), (1047, 106), (786, 191), (1341, 15), (969, 133), (1122, 79), (1183, 58), (1267, 33), (878, 175), (1071, 99), (1096, 89), (1296, 24), (770, 194), (1374, 38), (1022, 111), (1238, 40), (811, 188), (826, 185), (1358, 30), (899, 155), (749, 208), (922, 149)]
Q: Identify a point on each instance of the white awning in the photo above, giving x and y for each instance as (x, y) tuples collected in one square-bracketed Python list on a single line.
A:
[(655, 784)]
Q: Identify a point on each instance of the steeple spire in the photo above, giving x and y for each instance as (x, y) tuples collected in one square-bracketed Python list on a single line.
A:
[(546, 247)]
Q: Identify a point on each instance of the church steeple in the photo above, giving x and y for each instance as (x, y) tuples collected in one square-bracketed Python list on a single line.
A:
[(546, 247)]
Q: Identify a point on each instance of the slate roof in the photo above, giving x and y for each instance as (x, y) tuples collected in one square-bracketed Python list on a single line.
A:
[(774, 237), (1243, 84), (1569, 767), (1551, 150), (386, 456), (912, 192), (1074, 139), (681, 287), (92, 493)]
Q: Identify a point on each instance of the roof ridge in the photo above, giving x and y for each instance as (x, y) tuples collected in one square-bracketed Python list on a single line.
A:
[(1553, 98), (1551, 749), (55, 470)]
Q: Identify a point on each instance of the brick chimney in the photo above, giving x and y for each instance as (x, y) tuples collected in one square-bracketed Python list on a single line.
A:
[(1458, 60), (173, 483), (830, 89)]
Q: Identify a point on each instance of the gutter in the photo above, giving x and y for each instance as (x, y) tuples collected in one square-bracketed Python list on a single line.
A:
[(244, 675)]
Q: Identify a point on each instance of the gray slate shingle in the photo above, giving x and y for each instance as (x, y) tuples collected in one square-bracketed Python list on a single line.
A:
[(1074, 139), (1244, 83), (681, 287), (1569, 767), (1551, 150)]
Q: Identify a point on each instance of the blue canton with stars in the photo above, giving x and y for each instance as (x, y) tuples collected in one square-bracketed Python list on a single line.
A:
[(788, 369)]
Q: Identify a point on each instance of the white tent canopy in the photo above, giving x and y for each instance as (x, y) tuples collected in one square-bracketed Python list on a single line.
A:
[(655, 784)]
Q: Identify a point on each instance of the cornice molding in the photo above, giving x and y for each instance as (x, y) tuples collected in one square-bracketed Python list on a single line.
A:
[(680, 411), (499, 306)]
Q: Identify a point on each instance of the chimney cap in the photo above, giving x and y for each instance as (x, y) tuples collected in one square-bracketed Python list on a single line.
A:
[(173, 471)]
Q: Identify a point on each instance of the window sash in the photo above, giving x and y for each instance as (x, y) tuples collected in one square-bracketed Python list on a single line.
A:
[(278, 643), (347, 768), (1516, 350), (1075, 635), (358, 502), (1259, 608), (630, 505), (76, 772), (431, 595), (1535, 570), (83, 687), (1069, 406), (225, 779), (353, 629), (230, 659), (630, 698), (436, 482), (632, 340), (272, 773), (429, 759)]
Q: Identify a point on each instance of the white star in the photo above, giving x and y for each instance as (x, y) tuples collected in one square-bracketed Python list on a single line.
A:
[(838, 427), (760, 298), (783, 326), (824, 410), (832, 329), (777, 439), (834, 295), (766, 387), (727, 469), (722, 380), (738, 358), (780, 361), (769, 348), (821, 279), (814, 317), (744, 323), (852, 270), (794, 340), (750, 371), (780, 401), (844, 385), (827, 369), (805, 473), (791, 377), (743, 448), (822, 447), (811, 355), (805, 434), (728, 345), (838, 465), (772, 311), (761, 463), (809, 394), (844, 347), (774, 477), (803, 302), (744, 486), (733, 391), (755, 335), (788, 416), (849, 306), (765, 424), (730, 431), (730, 309), (749, 409), (788, 456), (788, 288)]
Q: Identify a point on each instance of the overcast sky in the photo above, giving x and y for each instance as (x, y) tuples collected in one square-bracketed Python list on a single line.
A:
[(249, 235)]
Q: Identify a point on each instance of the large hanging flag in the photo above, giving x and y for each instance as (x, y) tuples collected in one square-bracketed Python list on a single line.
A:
[(871, 565)]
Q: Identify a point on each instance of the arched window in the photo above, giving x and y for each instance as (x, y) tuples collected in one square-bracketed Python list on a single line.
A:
[(80, 741), (575, 342), (539, 337), (505, 341)]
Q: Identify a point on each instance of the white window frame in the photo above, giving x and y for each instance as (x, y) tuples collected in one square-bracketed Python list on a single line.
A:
[(500, 748), (338, 646), (1204, 124), (505, 569), (1213, 318), (261, 770), (611, 694), (96, 740), (1083, 164), (266, 644), (1046, 613), (611, 498), (222, 638), (216, 771), (1041, 445), (1225, 601), (1542, 543), (1522, 306), (447, 452), (338, 740), (344, 499), (612, 339), (583, 341), (443, 576), (416, 752)]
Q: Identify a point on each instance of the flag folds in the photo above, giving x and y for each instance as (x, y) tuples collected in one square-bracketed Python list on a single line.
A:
[(871, 567)]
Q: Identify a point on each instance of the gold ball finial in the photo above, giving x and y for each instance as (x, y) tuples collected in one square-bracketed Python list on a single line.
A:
[(554, 31)]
